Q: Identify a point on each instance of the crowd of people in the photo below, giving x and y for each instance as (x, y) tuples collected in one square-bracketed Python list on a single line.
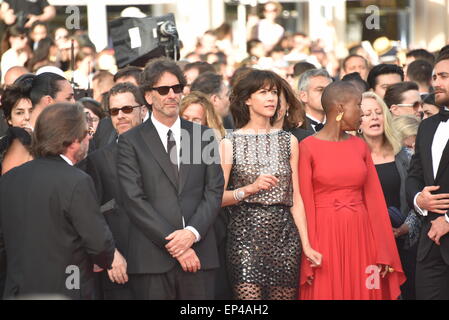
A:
[(284, 176)]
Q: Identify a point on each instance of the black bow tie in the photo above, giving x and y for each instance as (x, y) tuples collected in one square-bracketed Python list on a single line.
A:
[(318, 125), (444, 114)]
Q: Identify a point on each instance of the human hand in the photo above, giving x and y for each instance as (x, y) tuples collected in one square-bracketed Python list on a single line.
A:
[(180, 241), (439, 228), (315, 258), (31, 19), (97, 268), (189, 261), (118, 272), (263, 182), (404, 229), (438, 203)]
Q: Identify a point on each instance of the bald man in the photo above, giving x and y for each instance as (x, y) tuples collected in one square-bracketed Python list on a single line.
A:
[(13, 73)]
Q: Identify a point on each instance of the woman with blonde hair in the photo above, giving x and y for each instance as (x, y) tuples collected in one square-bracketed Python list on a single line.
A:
[(196, 107), (407, 129), (391, 161)]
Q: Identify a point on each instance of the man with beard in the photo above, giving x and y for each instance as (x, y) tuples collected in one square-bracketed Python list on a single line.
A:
[(428, 191), (51, 229), (171, 197)]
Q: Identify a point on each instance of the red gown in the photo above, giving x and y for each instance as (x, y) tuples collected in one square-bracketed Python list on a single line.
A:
[(347, 222)]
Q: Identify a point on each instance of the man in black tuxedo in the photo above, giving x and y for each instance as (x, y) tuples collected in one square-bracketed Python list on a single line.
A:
[(51, 229), (126, 106), (310, 87), (172, 185), (428, 191)]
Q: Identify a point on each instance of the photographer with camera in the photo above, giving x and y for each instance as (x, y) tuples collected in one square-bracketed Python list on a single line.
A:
[(25, 12)]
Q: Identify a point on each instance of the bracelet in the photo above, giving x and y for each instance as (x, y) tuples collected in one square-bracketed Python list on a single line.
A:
[(238, 195)]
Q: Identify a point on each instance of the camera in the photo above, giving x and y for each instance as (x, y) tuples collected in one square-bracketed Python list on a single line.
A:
[(137, 40)]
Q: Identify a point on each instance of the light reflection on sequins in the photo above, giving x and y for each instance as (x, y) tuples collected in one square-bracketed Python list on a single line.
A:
[(263, 247)]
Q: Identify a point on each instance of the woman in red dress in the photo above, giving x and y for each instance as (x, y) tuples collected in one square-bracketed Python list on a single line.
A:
[(347, 217)]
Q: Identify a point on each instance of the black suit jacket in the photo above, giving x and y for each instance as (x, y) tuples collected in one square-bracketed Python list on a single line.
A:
[(50, 220), (421, 174), (301, 134), (105, 133), (156, 202), (101, 165)]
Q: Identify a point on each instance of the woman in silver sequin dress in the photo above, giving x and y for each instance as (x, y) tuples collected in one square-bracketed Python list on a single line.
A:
[(262, 195)]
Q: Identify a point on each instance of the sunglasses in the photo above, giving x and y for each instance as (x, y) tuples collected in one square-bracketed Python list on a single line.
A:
[(415, 105), (125, 109), (164, 90)]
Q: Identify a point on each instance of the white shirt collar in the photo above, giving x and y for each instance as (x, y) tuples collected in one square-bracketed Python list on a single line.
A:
[(314, 119), (66, 159), (162, 131), (162, 128)]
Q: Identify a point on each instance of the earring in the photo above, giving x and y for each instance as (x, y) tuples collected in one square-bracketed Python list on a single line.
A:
[(286, 114), (359, 131), (339, 116)]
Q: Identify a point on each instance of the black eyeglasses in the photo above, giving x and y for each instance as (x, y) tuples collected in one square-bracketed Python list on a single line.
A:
[(124, 109), (164, 90)]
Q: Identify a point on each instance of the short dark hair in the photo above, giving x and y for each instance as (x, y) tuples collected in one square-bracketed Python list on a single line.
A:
[(382, 69), (208, 83), (420, 71), (201, 66), (11, 96), (129, 71), (301, 67), (251, 44), (249, 83), (92, 105), (356, 80), (429, 99), (45, 84), (444, 49), (156, 68), (57, 127), (393, 94), (123, 88), (442, 56), (421, 54), (343, 64)]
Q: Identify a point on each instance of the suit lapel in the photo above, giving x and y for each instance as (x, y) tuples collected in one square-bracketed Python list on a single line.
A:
[(427, 139), (154, 143), (186, 152), (443, 162)]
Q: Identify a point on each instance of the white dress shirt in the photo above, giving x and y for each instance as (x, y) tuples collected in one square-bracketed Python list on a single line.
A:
[(66, 159), (439, 142), (162, 130), (316, 120), (147, 116)]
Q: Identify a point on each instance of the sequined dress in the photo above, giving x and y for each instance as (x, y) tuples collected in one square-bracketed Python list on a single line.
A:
[(263, 246)]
